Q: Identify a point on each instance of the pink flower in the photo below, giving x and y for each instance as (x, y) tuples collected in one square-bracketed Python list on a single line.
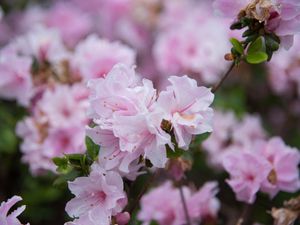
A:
[(230, 134), (151, 205), (95, 57), (248, 170), (45, 44), (10, 219), (284, 70), (186, 44), (61, 106), (248, 130), (284, 161), (97, 197), (204, 203), (72, 23), (15, 82), (187, 107), (56, 126), (220, 140), (125, 108), (200, 204)]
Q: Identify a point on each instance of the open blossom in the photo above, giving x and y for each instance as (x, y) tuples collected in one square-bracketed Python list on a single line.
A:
[(15, 81), (248, 171), (98, 197), (188, 111), (56, 127), (95, 57), (10, 219), (123, 106), (279, 16), (186, 44), (72, 23), (284, 161), (200, 204), (267, 166), (44, 44), (230, 134), (128, 116)]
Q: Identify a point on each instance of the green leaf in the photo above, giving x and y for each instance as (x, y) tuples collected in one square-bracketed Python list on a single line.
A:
[(62, 164), (256, 46), (237, 45), (257, 57), (199, 139), (92, 148), (177, 152)]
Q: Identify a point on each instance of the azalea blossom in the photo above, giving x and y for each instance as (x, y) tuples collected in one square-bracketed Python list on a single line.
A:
[(130, 115), (11, 218), (188, 111), (284, 161), (98, 197), (201, 204), (230, 134), (248, 171), (186, 41), (56, 127), (15, 81), (95, 57)]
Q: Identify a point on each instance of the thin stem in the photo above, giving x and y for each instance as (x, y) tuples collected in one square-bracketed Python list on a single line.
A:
[(187, 216), (215, 88)]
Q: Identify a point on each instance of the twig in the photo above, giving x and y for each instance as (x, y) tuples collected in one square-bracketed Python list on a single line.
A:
[(217, 86), (187, 216)]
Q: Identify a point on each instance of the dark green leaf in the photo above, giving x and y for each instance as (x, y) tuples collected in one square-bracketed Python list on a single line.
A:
[(237, 45), (92, 148), (256, 46)]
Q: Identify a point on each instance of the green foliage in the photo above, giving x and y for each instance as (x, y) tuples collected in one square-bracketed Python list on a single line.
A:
[(92, 148), (257, 57), (237, 46), (73, 165)]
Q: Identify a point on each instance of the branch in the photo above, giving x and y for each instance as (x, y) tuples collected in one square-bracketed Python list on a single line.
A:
[(187, 217), (217, 86)]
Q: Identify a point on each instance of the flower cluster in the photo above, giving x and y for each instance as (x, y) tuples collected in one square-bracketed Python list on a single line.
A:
[(56, 127), (132, 121), (267, 166), (11, 219), (201, 204), (186, 42), (230, 134)]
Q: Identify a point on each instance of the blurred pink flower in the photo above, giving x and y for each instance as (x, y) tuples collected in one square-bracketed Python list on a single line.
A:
[(186, 42), (10, 219), (248, 170), (72, 23), (97, 197), (45, 44), (200, 204), (284, 161), (95, 57), (56, 126), (15, 82), (284, 70), (231, 134)]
